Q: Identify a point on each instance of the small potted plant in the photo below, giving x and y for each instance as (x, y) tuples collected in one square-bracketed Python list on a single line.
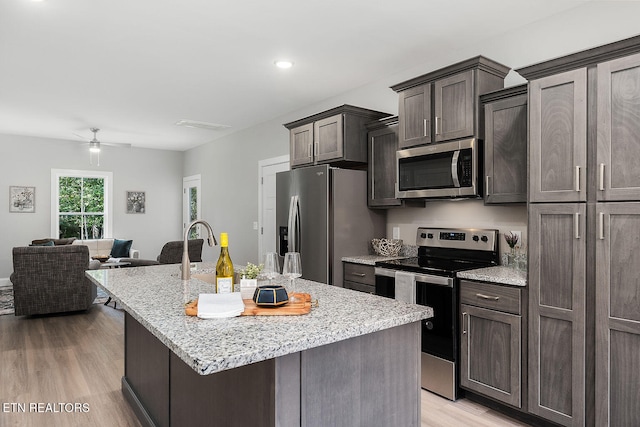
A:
[(512, 241), (249, 279)]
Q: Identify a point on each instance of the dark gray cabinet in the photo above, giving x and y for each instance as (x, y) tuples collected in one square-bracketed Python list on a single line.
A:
[(383, 143), (337, 136), (491, 341), (301, 145), (558, 137), (583, 268), (443, 105), (617, 314), (557, 302), (618, 140), (505, 145), (359, 277)]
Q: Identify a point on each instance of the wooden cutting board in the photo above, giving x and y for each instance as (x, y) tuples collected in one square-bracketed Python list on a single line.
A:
[(302, 306)]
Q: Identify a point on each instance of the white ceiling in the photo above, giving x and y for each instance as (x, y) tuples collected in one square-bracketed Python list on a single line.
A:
[(135, 67)]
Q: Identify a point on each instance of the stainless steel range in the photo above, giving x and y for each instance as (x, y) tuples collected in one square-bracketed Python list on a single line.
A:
[(430, 279)]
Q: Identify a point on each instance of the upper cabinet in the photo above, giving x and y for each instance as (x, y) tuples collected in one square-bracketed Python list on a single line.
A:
[(383, 143), (443, 105), (618, 156), (337, 136), (558, 137), (505, 145), (584, 110)]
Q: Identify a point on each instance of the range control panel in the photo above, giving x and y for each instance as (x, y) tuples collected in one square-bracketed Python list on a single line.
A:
[(458, 238)]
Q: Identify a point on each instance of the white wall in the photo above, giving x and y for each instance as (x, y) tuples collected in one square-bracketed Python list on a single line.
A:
[(229, 165), (27, 161)]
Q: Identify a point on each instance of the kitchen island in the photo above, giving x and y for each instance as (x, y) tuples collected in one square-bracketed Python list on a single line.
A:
[(354, 360)]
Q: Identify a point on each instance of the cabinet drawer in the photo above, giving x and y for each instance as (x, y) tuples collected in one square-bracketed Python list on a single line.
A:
[(370, 289), (495, 297), (359, 273)]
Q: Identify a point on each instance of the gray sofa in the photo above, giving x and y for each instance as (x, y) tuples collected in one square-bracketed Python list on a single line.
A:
[(51, 279)]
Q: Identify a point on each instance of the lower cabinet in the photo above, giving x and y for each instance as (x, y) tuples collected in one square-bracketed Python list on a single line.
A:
[(359, 277), (491, 341)]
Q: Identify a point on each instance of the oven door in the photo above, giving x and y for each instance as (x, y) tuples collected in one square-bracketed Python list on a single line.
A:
[(439, 335), (442, 170)]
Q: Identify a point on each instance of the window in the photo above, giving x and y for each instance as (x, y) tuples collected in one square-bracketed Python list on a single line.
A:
[(80, 204)]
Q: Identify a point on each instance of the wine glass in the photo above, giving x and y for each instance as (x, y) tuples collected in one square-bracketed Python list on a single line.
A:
[(271, 266), (292, 268)]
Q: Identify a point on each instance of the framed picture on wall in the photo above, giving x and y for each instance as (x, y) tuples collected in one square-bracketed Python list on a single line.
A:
[(136, 201), (22, 199)]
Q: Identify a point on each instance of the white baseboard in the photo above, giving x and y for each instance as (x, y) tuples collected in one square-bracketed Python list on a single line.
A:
[(4, 282)]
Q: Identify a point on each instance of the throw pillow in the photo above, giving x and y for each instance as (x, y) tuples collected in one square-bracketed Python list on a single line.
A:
[(121, 248), (48, 243), (40, 242)]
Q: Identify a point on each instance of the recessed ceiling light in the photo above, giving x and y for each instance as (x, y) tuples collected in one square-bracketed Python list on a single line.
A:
[(201, 125), (283, 64)]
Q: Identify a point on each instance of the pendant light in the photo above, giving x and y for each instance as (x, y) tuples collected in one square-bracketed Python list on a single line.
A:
[(94, 147)]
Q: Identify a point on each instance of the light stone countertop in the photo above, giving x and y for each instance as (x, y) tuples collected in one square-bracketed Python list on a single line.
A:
[(497, 274), (369, 259), (155, 295)]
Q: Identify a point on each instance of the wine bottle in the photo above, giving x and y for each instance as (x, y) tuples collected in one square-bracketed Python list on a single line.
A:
[(224, 267)]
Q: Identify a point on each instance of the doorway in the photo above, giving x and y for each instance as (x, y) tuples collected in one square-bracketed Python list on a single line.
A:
[(267, 170)]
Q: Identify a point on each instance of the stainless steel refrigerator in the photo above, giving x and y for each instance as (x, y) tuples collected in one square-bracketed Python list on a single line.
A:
[(322, 213)]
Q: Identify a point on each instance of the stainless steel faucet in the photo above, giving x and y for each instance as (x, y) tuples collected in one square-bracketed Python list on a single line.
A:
[(186, 263)]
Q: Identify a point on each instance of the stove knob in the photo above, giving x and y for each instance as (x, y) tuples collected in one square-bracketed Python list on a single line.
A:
[(476, 238), (484, 239), (423, 235), (430, 235)]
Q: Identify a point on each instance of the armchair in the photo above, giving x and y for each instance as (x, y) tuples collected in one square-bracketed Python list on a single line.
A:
[(171, 252), (51, 279)]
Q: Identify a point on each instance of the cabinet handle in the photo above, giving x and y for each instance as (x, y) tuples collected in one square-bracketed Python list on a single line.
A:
[(315, 151), (601, 177), (358, 274), (486, 190), (576, 224), (311, 150), (437, 132), (425, 127), (483, 296), (577, 184), (601, 225), (464, 328)]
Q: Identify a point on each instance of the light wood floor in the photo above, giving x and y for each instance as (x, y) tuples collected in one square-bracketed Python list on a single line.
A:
[(78, 358)]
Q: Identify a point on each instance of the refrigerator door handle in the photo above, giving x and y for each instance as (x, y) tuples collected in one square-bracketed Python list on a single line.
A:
[(290, 230), (296, 224)]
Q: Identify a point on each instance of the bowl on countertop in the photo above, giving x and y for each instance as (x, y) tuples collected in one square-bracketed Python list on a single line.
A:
[(270, 296), (387, 247)]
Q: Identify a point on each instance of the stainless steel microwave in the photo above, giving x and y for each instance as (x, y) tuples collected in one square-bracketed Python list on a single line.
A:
[(449, 169)]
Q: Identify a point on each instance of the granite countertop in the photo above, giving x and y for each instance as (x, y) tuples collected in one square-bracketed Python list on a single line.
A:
[(369, 259), (155, 295), (497, 274)]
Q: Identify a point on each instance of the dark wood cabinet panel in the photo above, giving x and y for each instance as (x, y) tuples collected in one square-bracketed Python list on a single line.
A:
[(301, 145), (558, 137), (617, 314), (505, 146), (337, 136), (415, 116), (619, 129), (443, 105), (328, 138), (557, 301), (361, 273), (383, 144), (454, 107), (490, 349)]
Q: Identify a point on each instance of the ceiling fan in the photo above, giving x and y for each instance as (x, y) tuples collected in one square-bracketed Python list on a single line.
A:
[(94, 145)]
